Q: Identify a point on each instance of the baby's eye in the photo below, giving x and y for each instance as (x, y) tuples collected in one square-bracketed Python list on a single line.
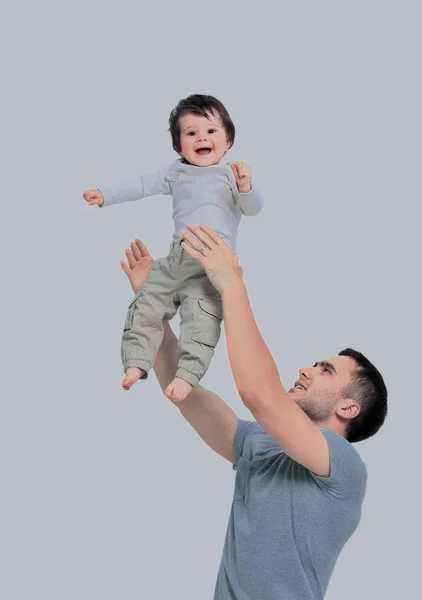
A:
[(190, 133), (211, 130)]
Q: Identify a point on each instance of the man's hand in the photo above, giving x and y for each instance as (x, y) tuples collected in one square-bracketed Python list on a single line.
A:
[(140, 262), (221, 264), (93, 197), (243, 175)]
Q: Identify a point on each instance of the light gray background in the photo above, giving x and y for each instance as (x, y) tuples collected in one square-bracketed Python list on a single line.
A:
[(110, 495)]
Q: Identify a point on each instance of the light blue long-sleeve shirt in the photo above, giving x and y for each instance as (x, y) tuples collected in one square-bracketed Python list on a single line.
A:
[(201, 196)]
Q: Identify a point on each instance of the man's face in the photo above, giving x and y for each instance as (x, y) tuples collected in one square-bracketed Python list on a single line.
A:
[(203, 140), (319, 388)]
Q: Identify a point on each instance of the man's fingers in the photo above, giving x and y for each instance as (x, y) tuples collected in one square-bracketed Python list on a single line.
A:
[(136, 251), (202, 236), (217, 239), (194, 242), (130, 259), (192, 252), (125, 267), (191, 240), (142, 248)]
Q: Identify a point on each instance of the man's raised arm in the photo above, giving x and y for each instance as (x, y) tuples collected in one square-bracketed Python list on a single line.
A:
[(208, 414)]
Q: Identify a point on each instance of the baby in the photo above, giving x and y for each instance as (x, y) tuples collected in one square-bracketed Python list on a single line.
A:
[(204, 191)]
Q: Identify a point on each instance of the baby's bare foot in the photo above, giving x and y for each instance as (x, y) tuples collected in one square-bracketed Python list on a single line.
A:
[(132, 376), (178, 389)]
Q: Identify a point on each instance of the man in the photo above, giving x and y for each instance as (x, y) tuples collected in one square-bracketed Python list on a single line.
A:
[(300, 483)]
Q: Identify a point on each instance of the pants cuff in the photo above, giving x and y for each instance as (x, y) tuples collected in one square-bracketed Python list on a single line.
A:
[(186, 376), (141, 364)]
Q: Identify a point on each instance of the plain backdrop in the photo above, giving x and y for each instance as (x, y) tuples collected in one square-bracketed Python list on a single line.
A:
[(110, 495)]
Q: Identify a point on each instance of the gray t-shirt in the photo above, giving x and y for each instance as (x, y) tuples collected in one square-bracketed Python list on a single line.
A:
[(287, 525), (201, 196)]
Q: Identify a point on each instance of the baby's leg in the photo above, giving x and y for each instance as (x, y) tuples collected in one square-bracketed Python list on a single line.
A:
[(143, 330), (200, 327), (132, 376)]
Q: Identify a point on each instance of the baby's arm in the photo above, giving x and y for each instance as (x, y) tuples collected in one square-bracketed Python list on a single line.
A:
[(248, 197), (133, 189)]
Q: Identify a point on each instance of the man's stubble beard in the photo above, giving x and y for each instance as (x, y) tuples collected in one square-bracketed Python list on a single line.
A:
[(318, 405)]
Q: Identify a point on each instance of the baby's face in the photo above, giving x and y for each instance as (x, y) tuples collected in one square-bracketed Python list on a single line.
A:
[(203, 140)]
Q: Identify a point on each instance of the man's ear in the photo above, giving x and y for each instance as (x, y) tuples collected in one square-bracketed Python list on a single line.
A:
[(348, 409)]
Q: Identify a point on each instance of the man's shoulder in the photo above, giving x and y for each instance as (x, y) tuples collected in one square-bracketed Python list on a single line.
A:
[(348, 472), (339, 444)]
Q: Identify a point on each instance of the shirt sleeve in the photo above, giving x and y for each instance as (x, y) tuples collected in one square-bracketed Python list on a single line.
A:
[(250, 203), (250, 439), (348, 473), (137, 188), (239, 439)]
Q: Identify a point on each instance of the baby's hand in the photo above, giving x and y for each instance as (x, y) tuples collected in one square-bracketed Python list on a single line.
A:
[(243, 174), (94, 197)]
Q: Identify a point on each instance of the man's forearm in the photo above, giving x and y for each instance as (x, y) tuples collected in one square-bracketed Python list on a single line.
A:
[(165, 365), (205, 411), (253, 367)]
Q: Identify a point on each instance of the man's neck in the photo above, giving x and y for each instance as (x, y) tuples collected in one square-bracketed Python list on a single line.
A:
[(334, 425)]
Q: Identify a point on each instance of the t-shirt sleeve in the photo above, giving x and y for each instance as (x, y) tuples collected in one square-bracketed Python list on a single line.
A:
[(249, 440), (348, 473)]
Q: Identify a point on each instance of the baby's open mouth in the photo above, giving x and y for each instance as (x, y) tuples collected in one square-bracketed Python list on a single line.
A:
[(203, 151)]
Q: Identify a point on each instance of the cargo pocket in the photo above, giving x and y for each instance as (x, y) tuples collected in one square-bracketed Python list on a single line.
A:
[(207, 324), (242, 478), (131, 309)]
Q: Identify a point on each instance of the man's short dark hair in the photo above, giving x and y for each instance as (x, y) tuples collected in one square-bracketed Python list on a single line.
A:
[(199, 104), (368, 389)]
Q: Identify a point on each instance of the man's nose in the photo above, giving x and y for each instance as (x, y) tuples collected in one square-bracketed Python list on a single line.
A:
[(305, 372)]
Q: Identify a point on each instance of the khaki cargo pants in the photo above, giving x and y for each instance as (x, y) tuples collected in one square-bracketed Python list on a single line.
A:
[(174, 281)]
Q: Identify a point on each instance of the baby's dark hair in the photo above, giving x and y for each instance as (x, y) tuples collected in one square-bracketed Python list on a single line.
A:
[(199, 104)]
